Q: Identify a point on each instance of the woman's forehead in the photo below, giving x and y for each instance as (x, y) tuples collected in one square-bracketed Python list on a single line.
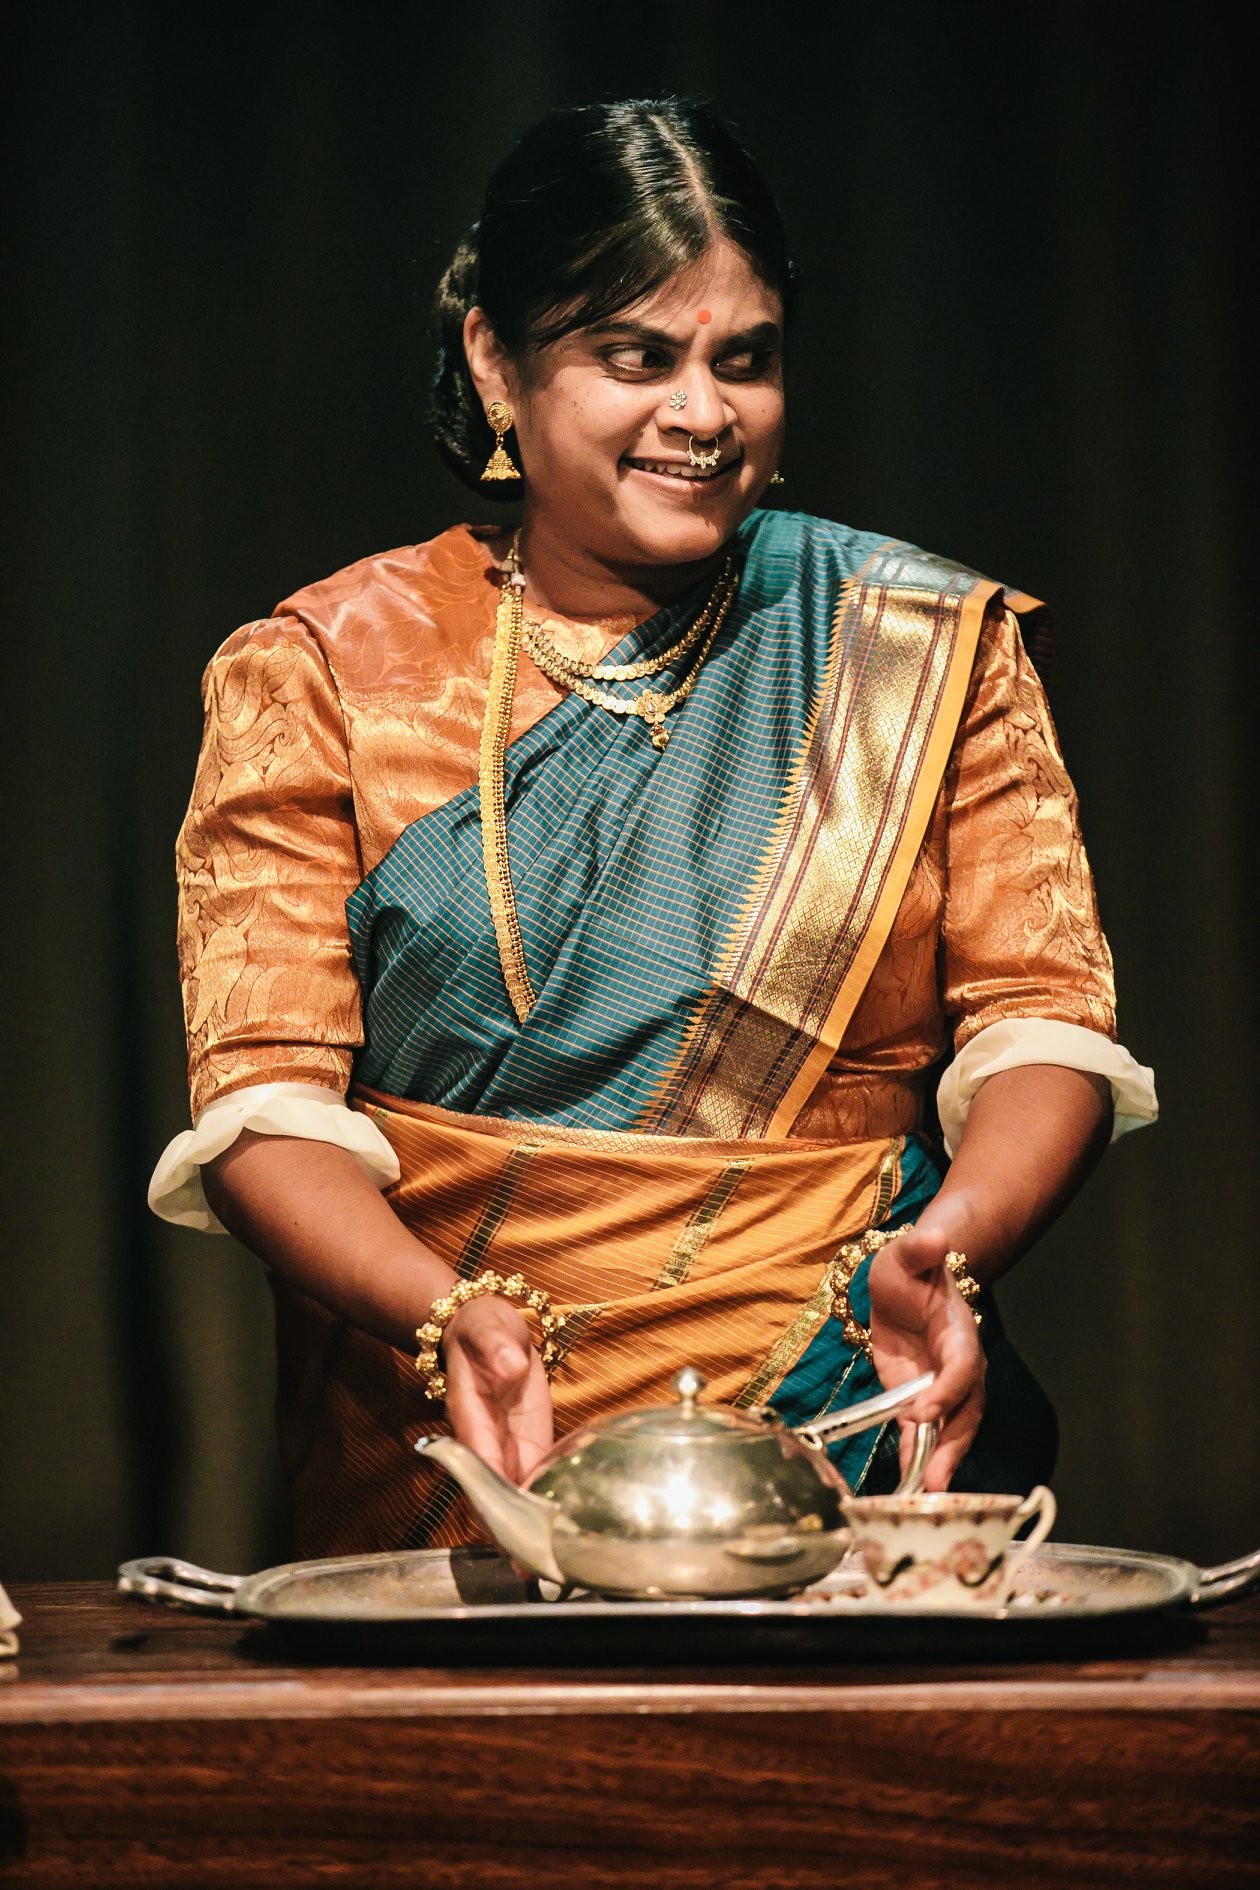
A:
[(720, 290)]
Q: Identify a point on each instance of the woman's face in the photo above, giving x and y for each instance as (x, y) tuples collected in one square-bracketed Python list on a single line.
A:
[(605, 453)]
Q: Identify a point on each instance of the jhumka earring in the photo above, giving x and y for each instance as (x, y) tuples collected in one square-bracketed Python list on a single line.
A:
[(499, 465)]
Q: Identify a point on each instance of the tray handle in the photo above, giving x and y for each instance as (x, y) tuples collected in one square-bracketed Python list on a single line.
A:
[(1227, 1581), (179, 1584)]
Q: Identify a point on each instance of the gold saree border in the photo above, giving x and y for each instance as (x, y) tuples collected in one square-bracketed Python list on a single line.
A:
[(525, 1131), (904, 637), (781, 1357), (914, 824), (786, 1351), (495, 731)]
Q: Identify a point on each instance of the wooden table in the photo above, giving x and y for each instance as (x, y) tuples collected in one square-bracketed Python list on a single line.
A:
[(147, 1748)]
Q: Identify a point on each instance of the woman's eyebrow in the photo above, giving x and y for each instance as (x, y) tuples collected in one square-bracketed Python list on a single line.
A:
[(637, 331), (760, 335)]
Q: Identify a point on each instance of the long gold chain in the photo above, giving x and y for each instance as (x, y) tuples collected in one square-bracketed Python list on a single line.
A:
[(652, 705), (494, 839)]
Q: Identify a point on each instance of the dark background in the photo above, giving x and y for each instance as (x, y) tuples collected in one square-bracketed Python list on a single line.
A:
[(1021, 344)]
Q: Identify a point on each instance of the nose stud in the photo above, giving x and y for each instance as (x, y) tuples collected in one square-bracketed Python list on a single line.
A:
[(678, 399)]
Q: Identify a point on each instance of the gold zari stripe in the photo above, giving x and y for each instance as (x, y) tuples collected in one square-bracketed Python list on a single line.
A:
[(808, 1321), (699, 1226), (887, 1185), (577, 1324), (496, 1210), (790, 1346)]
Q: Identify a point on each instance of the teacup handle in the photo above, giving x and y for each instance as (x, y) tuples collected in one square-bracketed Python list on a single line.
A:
[(1041, 1504)]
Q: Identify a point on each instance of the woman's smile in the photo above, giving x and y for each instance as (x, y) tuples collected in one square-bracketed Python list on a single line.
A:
[(675, 472)]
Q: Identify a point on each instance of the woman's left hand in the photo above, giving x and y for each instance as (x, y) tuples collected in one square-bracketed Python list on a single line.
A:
[(920, 1322)]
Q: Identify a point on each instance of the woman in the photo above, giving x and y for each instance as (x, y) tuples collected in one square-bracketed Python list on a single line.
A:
[(626, 875)]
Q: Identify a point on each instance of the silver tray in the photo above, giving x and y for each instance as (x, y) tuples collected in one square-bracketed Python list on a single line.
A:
[(445, 1606)]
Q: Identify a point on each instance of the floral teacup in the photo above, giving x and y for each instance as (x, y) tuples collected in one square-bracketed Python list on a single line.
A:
[(945, 1550)]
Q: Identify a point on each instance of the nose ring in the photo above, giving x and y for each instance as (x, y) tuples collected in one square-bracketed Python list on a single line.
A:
[(678, 399), (697, 458)]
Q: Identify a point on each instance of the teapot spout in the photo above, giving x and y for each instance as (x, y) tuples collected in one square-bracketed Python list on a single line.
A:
[(868, 1413), (519, 1522)]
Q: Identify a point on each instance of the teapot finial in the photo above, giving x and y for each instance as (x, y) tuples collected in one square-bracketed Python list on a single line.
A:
[(689, 1383)]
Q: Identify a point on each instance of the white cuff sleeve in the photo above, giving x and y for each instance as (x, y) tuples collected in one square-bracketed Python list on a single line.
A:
[(1018, 1041), (300, 1109)]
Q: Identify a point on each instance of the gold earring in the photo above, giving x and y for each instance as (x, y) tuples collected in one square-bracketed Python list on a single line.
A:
[(500, 466), (777, 479)]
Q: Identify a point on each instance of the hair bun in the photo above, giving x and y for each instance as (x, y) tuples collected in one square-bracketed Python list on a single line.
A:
[(457, 290)]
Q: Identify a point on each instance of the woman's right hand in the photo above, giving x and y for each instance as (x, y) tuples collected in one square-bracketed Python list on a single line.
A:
[(497, 1397), (309, 1210)]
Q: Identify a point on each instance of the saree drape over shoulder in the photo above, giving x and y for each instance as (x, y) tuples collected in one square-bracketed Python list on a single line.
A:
[(859, 849)]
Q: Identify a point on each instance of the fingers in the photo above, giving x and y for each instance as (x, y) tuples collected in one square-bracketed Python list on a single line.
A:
[(957, 1358), (943, 1464), (920, 1322), (498, 1400), (531, 1425), (953, 1442), (958, 1398)]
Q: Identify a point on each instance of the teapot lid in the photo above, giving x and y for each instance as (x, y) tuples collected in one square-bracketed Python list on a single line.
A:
[(686, 1419)]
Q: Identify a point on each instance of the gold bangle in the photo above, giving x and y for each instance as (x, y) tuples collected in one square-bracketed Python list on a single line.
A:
[(969, 1288), (513, 1286), (850, 1258)]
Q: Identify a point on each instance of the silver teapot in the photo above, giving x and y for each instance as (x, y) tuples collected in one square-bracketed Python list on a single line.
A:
[(681, 1500)]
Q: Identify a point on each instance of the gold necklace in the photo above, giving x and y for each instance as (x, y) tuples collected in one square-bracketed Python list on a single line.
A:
[(653, 705), (550, 659), (536, 639), (650, 704)]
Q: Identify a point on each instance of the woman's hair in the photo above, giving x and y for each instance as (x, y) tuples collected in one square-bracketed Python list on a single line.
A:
[(595, 208)]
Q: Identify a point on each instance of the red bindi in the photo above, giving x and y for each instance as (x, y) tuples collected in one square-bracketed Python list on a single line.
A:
[(704, 315)]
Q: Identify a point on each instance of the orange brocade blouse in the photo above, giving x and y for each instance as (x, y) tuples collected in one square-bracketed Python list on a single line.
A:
[(357, 708)]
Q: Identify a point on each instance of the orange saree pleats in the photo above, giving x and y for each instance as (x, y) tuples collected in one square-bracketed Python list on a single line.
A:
[(661, 1251)]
